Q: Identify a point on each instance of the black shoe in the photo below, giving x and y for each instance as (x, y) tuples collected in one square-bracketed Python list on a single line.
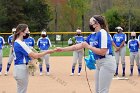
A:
[(116, 74), (131, 74), (123, 75)]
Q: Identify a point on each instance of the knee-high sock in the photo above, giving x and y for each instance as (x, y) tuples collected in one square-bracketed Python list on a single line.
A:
[(117, 69), (123, 67), (47, 68), (0, 67), (40, 67), (8, 67), (73, 69), (79, 69), (139, 70), (131, 69)]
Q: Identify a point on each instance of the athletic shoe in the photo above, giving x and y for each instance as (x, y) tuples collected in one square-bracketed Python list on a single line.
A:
[(6, 73), (79, 74), (115, 74), (0, 73), (47, 73), (72, 74), (131, 74), (123, 75), (40, 74)]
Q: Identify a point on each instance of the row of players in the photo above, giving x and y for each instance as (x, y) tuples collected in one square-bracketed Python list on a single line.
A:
[(119, 43)]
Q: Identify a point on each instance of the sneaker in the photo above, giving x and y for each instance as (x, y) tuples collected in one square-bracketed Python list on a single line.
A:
[(123, 75), (131, 74), (0, 73), (72, 74), (6, 73), (40, 74), (79, 74), (47, 73), (115, 74)]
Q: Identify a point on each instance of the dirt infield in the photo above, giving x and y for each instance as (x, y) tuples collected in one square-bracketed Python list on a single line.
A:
[(60, 80)]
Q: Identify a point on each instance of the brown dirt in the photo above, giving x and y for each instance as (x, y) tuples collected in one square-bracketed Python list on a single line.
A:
[(60, 80)]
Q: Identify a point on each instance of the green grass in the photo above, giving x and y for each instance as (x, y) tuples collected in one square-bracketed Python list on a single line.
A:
[(7, 49)]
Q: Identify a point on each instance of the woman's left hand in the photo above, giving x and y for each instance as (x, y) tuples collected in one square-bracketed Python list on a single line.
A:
[(85, 45)]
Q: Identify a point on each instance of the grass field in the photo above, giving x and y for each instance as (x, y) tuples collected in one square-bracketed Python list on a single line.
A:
[(7, 48)]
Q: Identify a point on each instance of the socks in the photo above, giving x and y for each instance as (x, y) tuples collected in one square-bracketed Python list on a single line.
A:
[(117, 70), (123, 67), (0, 67), (40, 67), (47, 68), (73, 69), (8, 67), (131, 69), (79, 69)]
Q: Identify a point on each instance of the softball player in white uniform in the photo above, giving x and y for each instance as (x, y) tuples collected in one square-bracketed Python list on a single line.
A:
[(133, 45), (44, 43), (102, 47), (78, 54), (2, 42), (22, 56), (120, 49), (11, 56)]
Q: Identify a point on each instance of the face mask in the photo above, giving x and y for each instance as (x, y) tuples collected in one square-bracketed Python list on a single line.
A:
[(43, 35), (91, 28), (132, 37), (26, 36), (78, 34)]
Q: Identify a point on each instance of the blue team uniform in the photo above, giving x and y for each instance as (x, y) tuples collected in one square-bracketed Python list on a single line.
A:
[(2, 42), (133, 45), (21, 51), (10, 38), (79, 39), (101, 44), (90, 38), (44, 43), (30, 42), (119, 38)]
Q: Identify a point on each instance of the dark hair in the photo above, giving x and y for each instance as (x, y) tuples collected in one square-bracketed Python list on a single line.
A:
[(102, 21), (19, 28)]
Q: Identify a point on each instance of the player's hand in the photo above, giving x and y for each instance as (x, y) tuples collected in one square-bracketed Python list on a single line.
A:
[(117, 49), (58, 49), (50, 51), (85, 45)]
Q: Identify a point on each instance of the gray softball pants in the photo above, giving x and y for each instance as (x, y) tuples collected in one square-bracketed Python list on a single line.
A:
[(106, 68), (1, 55), (21, 77), (121, 53), (11, 56), (77, 56), (134, 55)]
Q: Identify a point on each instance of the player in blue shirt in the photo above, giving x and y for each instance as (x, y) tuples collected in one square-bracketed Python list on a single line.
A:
[(139, 44), (78, 54), (30, 41), (102, 48), (22, 56), (133, 45), (11, 56), (120, 49), (44, 43), (2, 42)]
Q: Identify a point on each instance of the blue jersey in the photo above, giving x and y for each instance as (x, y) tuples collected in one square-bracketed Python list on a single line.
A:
[(90, 39), (119, 38), (2, 42), (133, 45), (102, 40), (79, 39), (30, 42), (44, 43), (21, 52), (10, 38)]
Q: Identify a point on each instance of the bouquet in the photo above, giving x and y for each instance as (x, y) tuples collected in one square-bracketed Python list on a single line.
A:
[(32, 66)]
